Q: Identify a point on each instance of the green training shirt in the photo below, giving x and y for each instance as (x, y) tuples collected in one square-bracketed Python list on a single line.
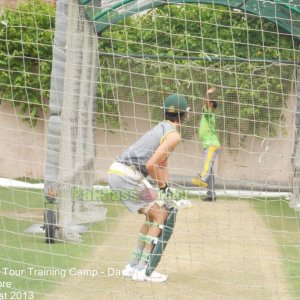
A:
[(207, 130)]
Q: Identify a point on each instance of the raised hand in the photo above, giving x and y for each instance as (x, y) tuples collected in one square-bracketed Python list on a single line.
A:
[(210, 91)]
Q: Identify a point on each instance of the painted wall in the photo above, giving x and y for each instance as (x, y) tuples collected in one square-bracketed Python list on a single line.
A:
[(266, 161)]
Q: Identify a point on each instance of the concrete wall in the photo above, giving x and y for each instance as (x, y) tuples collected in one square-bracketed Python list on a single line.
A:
[(21, 147), (8, 3), (267, 161)]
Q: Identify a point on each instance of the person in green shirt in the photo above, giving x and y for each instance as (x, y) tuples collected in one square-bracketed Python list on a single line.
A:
[(210, 144)]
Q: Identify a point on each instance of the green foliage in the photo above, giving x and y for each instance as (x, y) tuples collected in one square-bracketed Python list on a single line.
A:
[(107, 109), (252, 93), (26, 36)]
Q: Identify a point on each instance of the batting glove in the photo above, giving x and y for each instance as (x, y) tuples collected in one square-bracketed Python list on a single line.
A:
[(165, 192)]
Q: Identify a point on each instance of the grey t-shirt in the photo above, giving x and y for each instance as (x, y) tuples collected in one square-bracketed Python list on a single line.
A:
[(141, 151)]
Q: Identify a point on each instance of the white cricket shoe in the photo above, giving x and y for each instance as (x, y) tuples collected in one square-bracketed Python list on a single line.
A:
[(156, 277), (140, 275), (128, 271)]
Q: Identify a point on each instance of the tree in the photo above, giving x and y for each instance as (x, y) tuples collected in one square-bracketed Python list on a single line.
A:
[(25, 57), (235, 51)]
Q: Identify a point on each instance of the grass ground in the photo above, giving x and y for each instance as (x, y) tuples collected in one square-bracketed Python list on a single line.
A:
[(284, 225), (27, 253), (222, 228)]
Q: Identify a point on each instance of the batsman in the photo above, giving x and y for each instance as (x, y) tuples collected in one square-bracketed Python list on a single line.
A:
[(148, 157)]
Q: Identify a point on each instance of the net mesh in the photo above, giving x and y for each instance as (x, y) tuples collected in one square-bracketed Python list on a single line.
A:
[(133, 84), (77, 143), (245, 245)]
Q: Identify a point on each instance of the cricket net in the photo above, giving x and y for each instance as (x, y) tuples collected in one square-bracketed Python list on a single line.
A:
[(89, 78)]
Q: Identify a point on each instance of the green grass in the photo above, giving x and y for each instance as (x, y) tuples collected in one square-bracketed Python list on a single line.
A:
[(29, 180), (20, 250), (20, 200), (284, 223)]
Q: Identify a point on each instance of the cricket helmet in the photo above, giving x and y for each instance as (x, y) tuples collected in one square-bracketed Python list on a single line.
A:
[(175, 103)]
